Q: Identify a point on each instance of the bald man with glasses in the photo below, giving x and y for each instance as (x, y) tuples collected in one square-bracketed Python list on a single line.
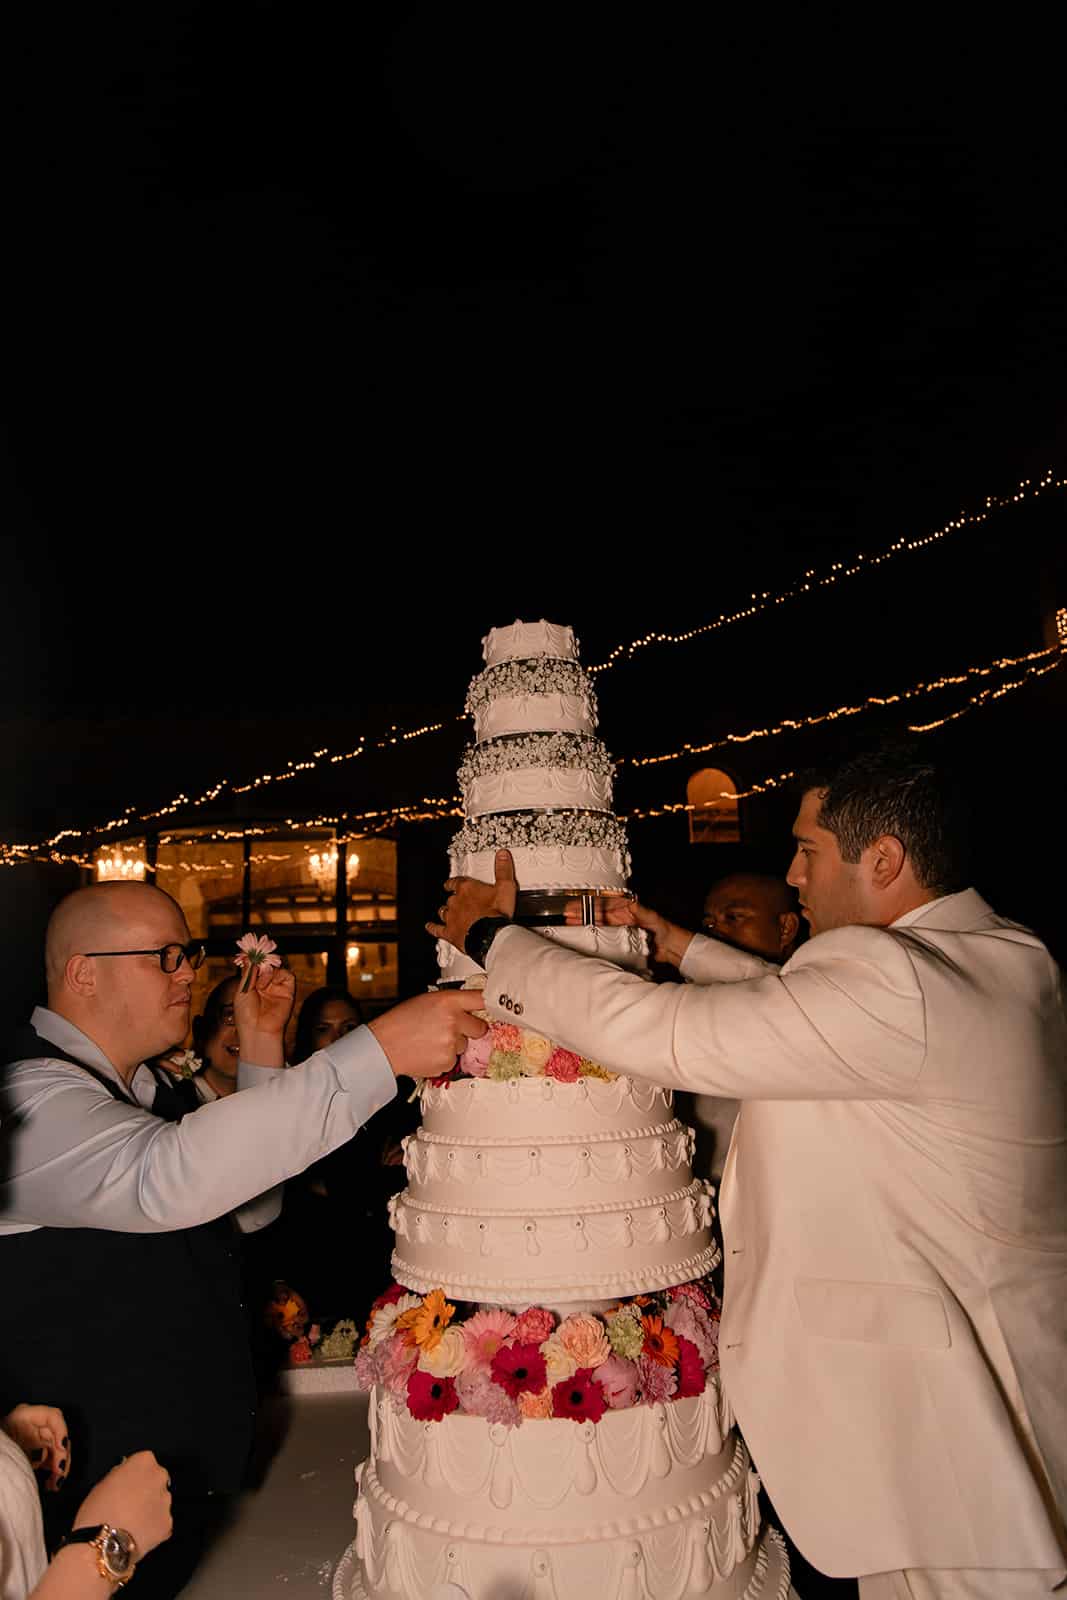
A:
[(116, 1235)]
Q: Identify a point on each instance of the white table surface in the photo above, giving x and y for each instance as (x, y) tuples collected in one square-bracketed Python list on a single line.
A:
[(287, 1535)]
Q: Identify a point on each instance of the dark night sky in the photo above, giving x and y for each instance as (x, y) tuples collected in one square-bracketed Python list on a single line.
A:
[(342, 334)]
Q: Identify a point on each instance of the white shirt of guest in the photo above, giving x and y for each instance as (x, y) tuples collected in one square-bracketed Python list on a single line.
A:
[(76, 1157), (22, 1552)]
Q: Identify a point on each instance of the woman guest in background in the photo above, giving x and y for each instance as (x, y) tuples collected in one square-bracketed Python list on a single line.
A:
[(209, 1070), (215, 1042), (133, 1497)]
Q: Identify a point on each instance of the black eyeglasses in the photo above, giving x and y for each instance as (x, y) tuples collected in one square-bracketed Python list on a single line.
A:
[(170, 956)]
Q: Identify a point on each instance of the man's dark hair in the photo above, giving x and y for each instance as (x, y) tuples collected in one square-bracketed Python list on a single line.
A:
[(895, 789)]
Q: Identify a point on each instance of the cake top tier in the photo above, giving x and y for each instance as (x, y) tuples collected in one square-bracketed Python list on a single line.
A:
[(523, 640)]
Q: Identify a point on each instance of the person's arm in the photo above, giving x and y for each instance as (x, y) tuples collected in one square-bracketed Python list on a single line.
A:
[(134, 1496), (78, 1158), (845, 1021), (713, 961)]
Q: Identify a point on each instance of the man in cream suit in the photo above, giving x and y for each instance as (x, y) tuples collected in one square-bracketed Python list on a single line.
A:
[(894, 1205)]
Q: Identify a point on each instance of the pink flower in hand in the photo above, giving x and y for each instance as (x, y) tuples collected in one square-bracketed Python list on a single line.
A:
[(256, 951)]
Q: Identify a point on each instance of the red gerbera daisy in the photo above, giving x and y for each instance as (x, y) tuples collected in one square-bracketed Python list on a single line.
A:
[(430, 1398), (519, 1368), (691, 1377), (581, 1398)]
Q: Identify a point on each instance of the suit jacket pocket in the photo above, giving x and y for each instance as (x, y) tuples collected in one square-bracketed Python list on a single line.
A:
[(872, 1313)]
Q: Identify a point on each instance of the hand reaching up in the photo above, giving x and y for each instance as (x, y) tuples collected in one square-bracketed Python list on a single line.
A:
[(470, 899), (669, 941)]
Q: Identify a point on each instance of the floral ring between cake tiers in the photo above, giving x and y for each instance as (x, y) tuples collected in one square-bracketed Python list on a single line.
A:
[(434, 1357)]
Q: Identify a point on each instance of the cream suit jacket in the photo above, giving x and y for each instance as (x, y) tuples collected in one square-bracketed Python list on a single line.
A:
[(894, 1210)]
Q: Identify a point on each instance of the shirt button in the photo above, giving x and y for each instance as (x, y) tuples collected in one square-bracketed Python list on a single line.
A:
[(503, 1000), (518, 1008)]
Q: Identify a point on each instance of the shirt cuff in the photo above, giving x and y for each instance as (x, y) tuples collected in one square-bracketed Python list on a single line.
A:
[(363, 1069)]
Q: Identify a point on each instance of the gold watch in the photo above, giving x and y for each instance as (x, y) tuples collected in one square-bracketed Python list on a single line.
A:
[(116, 1550)]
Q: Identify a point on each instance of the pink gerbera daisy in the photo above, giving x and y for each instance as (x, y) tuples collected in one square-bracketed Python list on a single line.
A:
[(484, 1334)]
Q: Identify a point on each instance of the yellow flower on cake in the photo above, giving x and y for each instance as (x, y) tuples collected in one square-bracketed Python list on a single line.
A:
[(559, 1363), (427, 1322), (536, 1050), (448, 1358)]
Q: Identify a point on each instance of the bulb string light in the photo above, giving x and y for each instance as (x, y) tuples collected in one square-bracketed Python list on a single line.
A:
[(838, 571), (397, 736), (436, 808), (872, 703)]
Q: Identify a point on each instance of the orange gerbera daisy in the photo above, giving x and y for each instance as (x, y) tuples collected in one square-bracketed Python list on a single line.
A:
[(426, 1323), (660, 1342)]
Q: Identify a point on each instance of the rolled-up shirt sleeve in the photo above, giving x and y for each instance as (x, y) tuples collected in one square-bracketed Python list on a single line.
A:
[(75, 1157)]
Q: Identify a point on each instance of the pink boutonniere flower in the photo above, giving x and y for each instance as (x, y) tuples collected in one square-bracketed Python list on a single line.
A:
[(256, 951)]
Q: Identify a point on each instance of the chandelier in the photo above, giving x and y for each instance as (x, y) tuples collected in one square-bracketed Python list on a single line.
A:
[(119, 865), (323, 867)]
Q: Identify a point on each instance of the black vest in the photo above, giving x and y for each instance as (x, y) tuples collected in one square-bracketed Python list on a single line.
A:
[(139, 1338)]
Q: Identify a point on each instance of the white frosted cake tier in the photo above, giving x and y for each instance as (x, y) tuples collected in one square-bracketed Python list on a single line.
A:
[(556, 1257), (443, 1170), (549, 866), (624, 947), (533, 1191), (652, 1503), (478, 1108), (523, 640), (534, 713), (528, 788)]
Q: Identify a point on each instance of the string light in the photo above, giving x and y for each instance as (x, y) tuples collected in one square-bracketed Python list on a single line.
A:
[(837, 571), (397, 736), (873, 702), (441, 807)]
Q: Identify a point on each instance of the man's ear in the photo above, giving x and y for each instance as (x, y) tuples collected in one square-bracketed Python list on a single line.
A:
[(887, 860), (79, 976), (788, 928)]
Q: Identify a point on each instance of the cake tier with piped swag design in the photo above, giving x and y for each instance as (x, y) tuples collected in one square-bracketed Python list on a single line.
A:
[(545, 1405)]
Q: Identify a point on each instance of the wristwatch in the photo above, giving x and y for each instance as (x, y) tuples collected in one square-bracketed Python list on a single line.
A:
[(480, 936), (116, 1550)]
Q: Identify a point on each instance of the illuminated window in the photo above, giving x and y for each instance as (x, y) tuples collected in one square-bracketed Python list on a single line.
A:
[(714, 818)]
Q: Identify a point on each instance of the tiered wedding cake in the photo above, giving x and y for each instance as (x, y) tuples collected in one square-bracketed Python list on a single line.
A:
[(546, 1416)]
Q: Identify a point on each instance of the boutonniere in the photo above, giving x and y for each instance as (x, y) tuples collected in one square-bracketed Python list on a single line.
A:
[(256, 951), (183, 1064)]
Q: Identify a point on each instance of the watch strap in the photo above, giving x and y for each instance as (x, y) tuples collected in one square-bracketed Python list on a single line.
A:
[(480, 936), (84, 1535), (95, 1537)]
